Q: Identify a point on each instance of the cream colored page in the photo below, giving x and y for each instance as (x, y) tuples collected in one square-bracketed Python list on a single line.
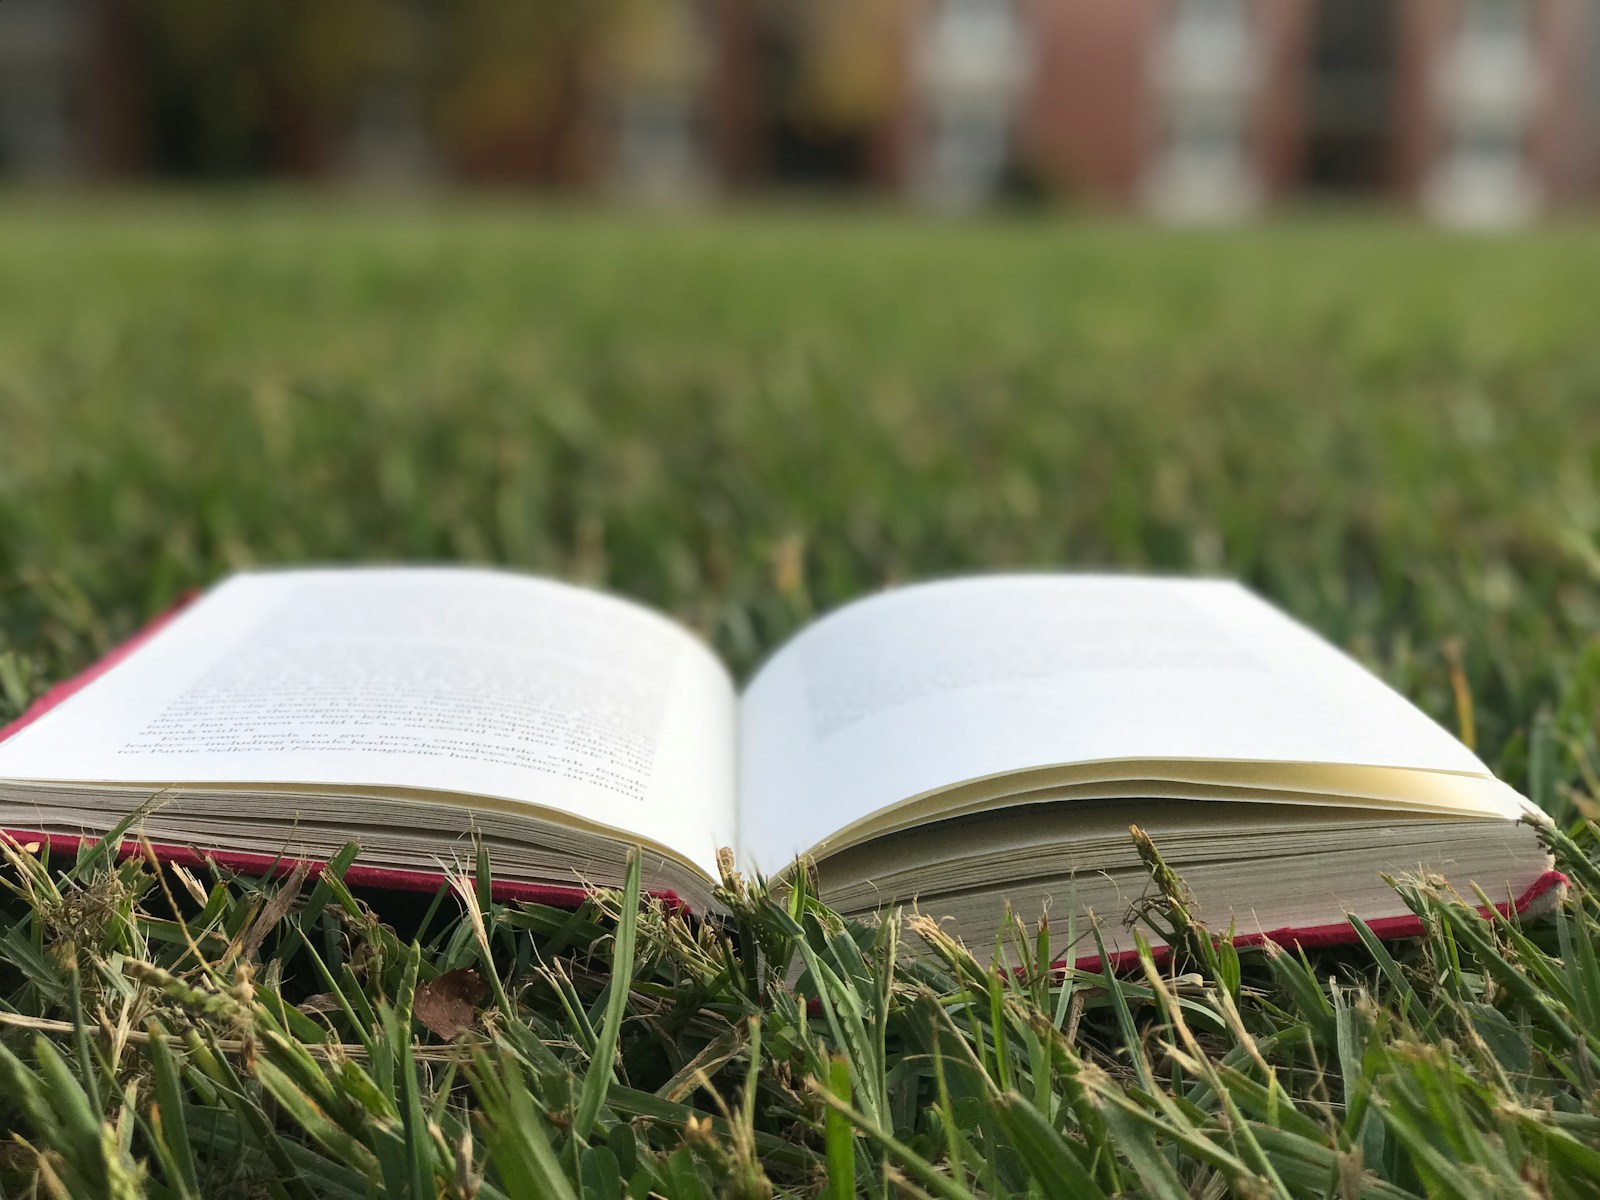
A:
[(457, 680), (932, 685)]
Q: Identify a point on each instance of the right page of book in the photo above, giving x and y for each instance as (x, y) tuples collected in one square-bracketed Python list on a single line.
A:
[(912, 692)]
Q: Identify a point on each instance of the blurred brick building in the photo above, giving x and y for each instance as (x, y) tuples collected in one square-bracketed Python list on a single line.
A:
[(1479, 111)]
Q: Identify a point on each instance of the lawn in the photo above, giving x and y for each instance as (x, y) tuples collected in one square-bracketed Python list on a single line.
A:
[(1393, 433)]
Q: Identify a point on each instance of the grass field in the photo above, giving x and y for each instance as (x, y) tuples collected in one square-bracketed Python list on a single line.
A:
[(1393, 433)]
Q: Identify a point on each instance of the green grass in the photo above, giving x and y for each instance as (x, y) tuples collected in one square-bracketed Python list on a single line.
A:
[(1393, 433)]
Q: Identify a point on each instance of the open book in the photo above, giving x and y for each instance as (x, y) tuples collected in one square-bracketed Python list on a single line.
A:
[(954, 745)]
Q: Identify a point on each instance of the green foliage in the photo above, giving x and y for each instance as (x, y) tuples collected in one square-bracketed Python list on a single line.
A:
[(175, 1065), (1390, 432)]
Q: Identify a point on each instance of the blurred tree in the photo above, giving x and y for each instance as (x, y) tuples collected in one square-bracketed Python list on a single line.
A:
[(240, 89), (850, 55), (520, 91), (657, 43), (518, 88), (833, 89)]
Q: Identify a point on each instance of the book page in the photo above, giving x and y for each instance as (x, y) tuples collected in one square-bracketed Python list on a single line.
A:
[(930, 686), (456, 680)]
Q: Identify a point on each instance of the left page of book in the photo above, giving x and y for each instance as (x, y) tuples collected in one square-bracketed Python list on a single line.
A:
[(456, 681)]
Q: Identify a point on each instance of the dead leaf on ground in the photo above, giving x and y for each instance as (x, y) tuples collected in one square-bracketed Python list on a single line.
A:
[(448, 1005)]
